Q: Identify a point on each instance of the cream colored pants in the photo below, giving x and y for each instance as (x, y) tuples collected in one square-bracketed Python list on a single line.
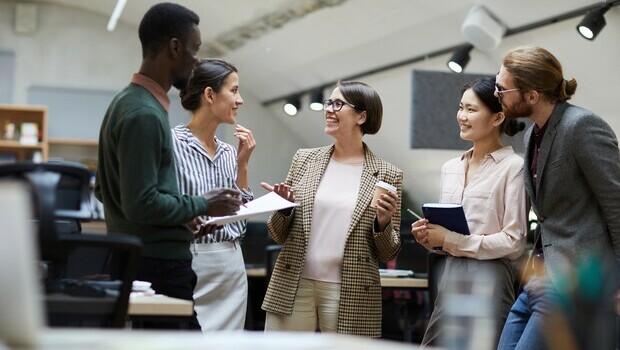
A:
[(315, 307), (220, 295)]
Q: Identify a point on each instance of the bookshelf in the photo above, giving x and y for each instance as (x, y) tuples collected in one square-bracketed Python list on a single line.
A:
[(82, 151), (23, 133)]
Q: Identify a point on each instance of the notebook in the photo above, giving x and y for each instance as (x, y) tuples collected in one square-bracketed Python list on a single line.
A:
[(450, 216), (22, 318)]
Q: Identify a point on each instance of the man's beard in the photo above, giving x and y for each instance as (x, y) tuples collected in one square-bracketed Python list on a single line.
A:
[(520, 110)]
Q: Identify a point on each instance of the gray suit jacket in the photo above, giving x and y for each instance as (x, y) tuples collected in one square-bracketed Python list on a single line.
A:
[(577, 191)]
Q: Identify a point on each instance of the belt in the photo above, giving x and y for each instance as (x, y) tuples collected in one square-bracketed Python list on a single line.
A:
[(198, 247)]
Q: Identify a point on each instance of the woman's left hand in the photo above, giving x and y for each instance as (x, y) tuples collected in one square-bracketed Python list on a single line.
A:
[(246, 144), (387, 205), (436, 235)]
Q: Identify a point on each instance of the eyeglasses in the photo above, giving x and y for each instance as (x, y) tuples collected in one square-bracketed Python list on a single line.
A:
[(336, 104), (500, 90)]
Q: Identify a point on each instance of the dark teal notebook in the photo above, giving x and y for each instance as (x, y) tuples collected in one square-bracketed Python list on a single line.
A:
[(450, 216)]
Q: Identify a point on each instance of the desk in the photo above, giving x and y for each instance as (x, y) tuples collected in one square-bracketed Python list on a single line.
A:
[(386, 282), (141, 309), (404, 282), (96, 339), (144, 309), (159, 306), (138, 305)]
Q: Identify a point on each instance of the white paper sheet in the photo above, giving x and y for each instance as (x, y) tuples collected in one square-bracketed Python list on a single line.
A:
[(261, 205)]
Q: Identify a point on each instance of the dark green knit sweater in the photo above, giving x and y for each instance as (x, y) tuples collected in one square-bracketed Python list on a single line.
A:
[(136, 179)]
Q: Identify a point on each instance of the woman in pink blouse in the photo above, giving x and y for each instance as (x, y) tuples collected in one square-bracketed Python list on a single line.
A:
[(488, 181)]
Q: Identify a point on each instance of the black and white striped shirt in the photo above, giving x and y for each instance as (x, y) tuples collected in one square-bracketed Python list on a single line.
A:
[(197, 174)]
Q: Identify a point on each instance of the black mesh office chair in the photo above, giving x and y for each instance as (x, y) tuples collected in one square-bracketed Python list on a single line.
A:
[(89, 277), (436, 263), (253, 244), (271, 256)]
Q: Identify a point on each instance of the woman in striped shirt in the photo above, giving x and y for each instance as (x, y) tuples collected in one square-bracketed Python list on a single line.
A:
[(203, 163)]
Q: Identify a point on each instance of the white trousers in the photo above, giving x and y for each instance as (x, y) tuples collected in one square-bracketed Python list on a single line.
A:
[(316, 307), (221, 293)]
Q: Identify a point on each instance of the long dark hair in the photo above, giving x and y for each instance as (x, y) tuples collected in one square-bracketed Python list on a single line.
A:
[(485, 90)]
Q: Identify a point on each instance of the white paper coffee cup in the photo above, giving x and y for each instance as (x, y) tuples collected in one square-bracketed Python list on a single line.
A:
[(380, 188)]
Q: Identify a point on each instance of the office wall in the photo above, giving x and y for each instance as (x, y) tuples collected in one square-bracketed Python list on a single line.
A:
[(72, 51), (56, 56), (593, 63)]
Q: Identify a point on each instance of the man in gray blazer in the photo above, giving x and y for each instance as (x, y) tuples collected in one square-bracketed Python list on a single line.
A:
[(572, 178)]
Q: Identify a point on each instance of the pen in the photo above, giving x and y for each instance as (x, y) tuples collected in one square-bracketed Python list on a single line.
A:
[(419, 218), (414, 214)]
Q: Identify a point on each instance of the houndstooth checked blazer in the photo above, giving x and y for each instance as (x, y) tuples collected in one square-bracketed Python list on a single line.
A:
[(360, 293)]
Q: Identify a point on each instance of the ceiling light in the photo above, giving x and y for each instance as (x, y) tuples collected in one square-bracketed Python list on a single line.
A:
[(459, 59), (292, 105), (316, 100), (116, 13), (592, 23)]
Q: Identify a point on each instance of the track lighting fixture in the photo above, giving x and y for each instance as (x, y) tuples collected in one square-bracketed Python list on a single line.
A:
[(316, 100), (459, 59), (292, 105), (482, 29), (592, 23)]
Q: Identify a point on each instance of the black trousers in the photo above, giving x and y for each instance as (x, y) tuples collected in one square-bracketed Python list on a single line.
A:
[(173, 278)]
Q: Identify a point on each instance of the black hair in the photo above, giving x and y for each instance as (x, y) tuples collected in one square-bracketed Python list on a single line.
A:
[(209, 72), (485, 90), (163, 22)]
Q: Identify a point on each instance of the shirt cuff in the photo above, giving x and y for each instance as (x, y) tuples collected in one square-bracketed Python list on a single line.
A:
[(451, 241), (246, 194)]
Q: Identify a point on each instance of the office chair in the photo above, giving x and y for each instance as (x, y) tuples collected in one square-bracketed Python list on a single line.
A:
[(436, 264), (89, 277), (271, 256), (412, 255), (253, 243)]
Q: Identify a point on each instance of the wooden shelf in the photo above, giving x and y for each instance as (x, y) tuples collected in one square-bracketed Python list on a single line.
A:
[(16, 115), (16, 144), (70, 142)]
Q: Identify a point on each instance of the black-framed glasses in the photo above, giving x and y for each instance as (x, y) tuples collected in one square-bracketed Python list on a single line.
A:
[(500, 90), (336, 104)]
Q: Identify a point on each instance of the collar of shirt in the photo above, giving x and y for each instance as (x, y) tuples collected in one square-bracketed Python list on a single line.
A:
[(184, 134), (496, 155), (539, 133), (153, 87)]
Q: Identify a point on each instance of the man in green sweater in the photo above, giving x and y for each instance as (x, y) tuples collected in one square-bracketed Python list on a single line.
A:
[(136, 178)]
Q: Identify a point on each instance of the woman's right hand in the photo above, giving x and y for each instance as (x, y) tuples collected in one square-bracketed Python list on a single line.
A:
[(419, 230), (281, 189)]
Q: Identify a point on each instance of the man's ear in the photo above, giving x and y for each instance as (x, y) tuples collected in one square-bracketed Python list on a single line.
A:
[(174, 46), (532, 97)]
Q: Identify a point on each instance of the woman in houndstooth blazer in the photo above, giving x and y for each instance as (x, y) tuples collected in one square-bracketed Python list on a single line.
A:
[(326, 276)]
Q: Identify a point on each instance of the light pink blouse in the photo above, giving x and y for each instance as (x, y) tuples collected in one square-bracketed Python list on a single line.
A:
[(334, 205), (494, 204)]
